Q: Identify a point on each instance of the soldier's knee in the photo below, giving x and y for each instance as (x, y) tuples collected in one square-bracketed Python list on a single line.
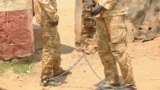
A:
[(119, 48), (125, 60)]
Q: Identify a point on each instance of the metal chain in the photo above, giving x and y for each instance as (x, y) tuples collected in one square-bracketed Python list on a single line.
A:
[(69, 69), (83, 57), (90, 66)]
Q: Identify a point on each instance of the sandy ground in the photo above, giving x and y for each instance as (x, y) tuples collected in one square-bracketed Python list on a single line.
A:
[(145, 62)]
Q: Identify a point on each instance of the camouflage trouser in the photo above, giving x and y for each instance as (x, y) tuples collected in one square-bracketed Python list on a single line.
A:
[(51, 51), (87, 42), (112, 47), (86, 37), (46, 15)]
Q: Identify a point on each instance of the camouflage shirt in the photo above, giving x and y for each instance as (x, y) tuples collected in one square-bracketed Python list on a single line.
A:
[(46, 11), (113, 7)]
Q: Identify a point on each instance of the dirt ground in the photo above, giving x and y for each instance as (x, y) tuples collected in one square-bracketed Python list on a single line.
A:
[(145, 61)]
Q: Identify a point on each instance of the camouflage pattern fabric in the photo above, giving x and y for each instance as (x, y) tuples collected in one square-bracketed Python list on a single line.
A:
[(87, 42), (112, 45), (46, 16)]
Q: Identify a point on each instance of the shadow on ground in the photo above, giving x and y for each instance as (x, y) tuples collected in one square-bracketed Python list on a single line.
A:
[(61, 79), (2, 89), (65, 49), (38, 41)]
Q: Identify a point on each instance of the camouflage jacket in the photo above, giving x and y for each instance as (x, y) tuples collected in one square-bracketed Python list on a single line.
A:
[(45, 11), (113, 7)]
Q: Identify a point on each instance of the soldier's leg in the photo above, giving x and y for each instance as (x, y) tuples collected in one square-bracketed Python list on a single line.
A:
[(57, 54), (88, 41), (88, 30), (85, 34), (119, 46), (51, 52), (104, 50)]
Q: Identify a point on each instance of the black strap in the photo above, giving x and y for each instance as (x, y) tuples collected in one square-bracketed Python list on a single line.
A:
[(96, 10)]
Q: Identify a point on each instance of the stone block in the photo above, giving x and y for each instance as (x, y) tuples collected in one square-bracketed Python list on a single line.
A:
[(16, 34)]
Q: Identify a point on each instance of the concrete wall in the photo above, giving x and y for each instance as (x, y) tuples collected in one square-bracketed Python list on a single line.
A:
[(16, 35)]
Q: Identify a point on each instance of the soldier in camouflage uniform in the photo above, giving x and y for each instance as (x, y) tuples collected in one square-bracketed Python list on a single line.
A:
[(112, 43), (86, 36), (46, 16)]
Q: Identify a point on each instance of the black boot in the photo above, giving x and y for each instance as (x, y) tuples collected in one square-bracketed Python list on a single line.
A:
[(48, 82), (44, 81)]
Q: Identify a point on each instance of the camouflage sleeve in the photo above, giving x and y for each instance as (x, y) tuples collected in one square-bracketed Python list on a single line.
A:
[(49, 9), (95, 1), (107, 4), (37, 10)]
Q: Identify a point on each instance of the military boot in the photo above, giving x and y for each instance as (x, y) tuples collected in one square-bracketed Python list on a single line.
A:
[(53, 81), (130, 87), (105, 87)]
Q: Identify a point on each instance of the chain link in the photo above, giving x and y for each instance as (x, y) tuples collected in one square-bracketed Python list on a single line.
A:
[(69, 69), (83, 57), (90, 66)]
